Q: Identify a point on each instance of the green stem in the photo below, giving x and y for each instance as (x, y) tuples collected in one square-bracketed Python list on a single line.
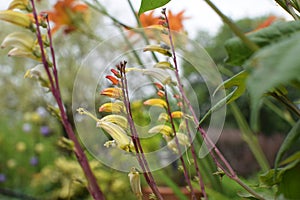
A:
[(285, 6), (134, 135), (283, 99), (246, 187), (185, 172), (208, 166), (290, 6), (249, 137), (92, 185), (281, 113), (251, 45)]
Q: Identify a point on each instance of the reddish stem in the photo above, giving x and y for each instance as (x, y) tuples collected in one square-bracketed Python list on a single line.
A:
[(193, 152), (230, 173), (92, 187), (186, 176), (185, 100), (136, 141)]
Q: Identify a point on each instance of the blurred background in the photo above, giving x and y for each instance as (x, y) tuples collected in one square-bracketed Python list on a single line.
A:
[(34, 165)]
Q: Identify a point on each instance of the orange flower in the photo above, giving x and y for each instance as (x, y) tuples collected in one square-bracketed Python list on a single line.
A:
[(112, 92), (175, 20), (270, 20), (148, 19), (67, 14)]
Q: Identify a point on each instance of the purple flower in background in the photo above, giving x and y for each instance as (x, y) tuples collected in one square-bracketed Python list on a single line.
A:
[(34, 161), (26, 127), (45, 130), (2, 178), (42, 112)]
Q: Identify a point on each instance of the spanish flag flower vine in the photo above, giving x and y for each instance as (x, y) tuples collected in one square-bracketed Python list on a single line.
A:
[(174, 125), (35, 42)]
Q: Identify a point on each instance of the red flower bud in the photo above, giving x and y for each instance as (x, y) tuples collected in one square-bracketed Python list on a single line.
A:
[(112, 79)]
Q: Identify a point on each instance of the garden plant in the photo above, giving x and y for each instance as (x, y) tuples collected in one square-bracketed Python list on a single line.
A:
[(130, 114)]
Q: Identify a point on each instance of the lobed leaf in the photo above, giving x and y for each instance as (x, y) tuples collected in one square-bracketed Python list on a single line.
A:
[(238, 52), (272, 66)]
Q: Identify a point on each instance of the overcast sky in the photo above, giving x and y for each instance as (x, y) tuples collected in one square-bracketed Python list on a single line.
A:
[(201, 16)]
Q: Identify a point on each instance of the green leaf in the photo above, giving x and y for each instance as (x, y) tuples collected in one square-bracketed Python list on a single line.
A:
[(151, 4), (238, 81), (290, 139), (292, 158), (289, 185), (238, 52), (270, 67), (271, 178)]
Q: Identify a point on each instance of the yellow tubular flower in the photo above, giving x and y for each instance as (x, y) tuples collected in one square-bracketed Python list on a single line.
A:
[(135, 183), (24, 45), (116, 107), (159, 49), (20, 40), (182, 139), (17, 18), (163, 129), (156, 102), (112, 92), (163, 117), (116, 119), (163, 65), (118, 134), (19, 4), (177, 114)]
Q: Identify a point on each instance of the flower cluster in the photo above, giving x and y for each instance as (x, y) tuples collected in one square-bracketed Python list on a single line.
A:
[(165, 126), (23, 43)]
